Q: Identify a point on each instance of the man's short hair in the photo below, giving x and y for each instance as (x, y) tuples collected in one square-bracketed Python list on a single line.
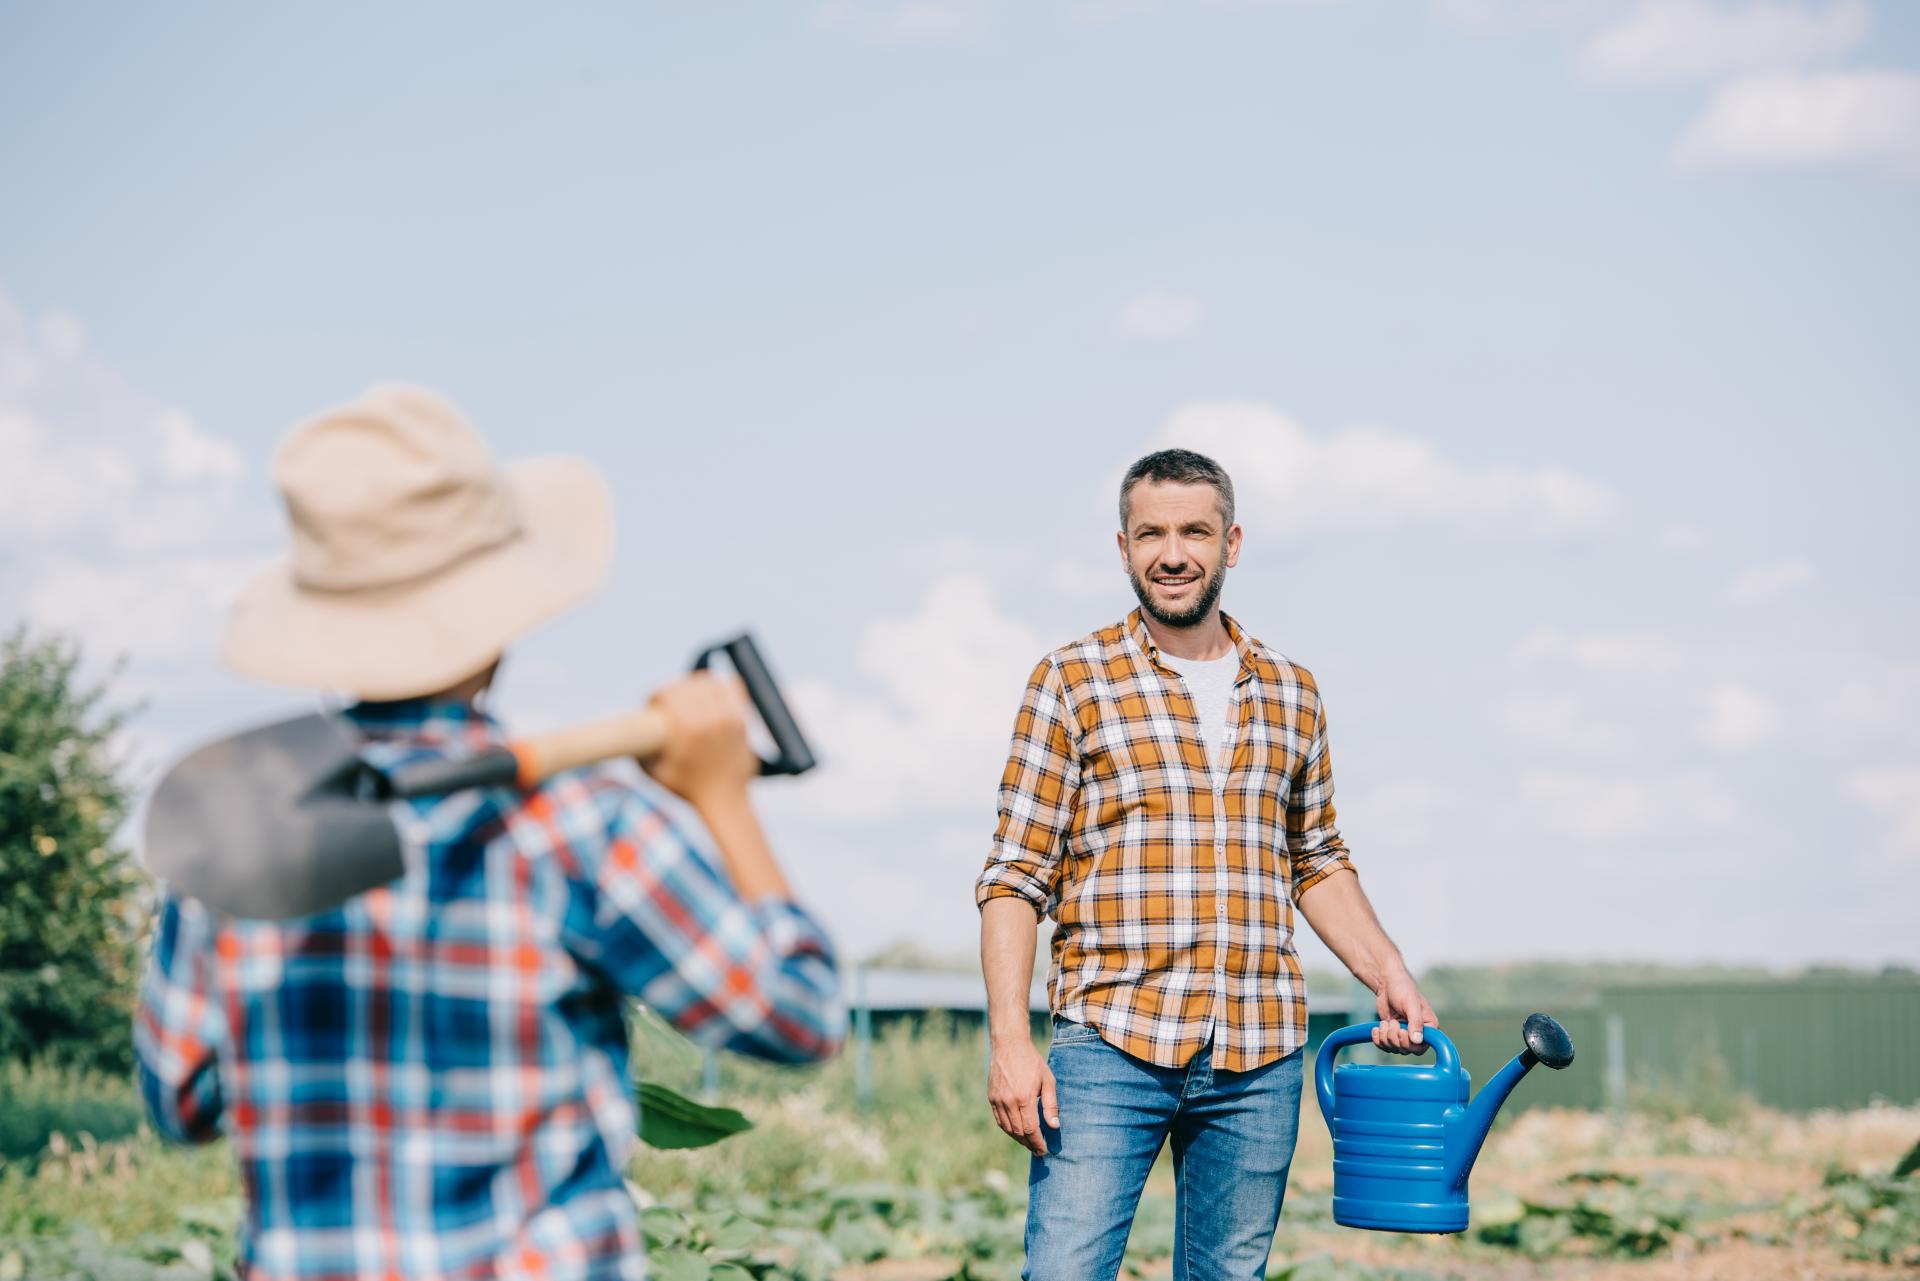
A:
[(1180, 467)]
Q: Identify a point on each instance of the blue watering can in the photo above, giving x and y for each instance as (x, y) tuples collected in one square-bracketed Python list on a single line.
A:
[(1404, 1137)]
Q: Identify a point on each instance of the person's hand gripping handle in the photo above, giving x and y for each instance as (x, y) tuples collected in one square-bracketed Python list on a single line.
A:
[(707, 761), (1404, 1014), (704, 757)]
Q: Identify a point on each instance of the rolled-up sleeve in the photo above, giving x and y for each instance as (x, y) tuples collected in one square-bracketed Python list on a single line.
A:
[(668, 927), (181, 1025), (1314, 847), (1038, 791)]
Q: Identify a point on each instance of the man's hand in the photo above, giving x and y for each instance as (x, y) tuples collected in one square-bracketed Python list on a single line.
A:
[(1399, 1001), (1020, 1088), (1340, 914), (707, 759)]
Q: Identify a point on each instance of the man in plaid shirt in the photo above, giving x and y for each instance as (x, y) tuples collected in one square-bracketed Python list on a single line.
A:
[(1168, 799), (430, 1080)]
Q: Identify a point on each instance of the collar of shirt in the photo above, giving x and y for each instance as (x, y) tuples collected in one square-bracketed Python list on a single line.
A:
[(1252, 660), (428, 720)]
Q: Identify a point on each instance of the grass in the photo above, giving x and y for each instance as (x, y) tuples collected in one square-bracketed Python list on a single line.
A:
[(811, 1128), (38, 1102), (823, 1189)]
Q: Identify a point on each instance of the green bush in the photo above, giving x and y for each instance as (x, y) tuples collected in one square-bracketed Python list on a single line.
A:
[(1869, 1216), (41, 1101), (66, 938)]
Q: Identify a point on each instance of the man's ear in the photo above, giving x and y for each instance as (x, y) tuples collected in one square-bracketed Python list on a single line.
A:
[(1233, 547), (1120, 540)]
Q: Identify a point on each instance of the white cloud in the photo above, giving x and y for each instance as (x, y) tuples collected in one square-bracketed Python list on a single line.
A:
[(1683, 538), (1086, 577), (1758, 584), (1870, 701), (152, 611), (1404, 813), (907, 21), (1156, 318), (1098, 11), (1616, 651), (125, 523), (1678, 40), (1605, 808), (1560, 722), (1502, 14), (62, 334), (1866, 120), (189, 454), (934, 736), (1894, 794), (1373, 478), (1738, 719)]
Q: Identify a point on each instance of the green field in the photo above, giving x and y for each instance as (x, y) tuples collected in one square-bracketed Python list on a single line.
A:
[(921, 1185)]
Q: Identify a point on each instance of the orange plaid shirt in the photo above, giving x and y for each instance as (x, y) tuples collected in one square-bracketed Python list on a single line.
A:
[(1171, 885)]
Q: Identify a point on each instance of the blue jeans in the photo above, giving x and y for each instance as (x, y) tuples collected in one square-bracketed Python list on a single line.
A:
[(1232, 1133)]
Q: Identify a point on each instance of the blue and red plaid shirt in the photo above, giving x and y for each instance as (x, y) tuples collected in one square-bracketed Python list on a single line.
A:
[(431, 1080)]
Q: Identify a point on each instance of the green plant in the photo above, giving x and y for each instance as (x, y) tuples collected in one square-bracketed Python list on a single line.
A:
[(66, 939), (669, 1120), (1324, 1267), (38, 1101), (1868, 1216), (1703, 1088), (1610, 1214)]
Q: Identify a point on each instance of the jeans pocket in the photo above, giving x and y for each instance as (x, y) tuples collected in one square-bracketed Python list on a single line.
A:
[(1067, 1032)]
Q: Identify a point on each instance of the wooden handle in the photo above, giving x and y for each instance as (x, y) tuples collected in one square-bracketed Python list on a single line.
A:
[(639, 734)]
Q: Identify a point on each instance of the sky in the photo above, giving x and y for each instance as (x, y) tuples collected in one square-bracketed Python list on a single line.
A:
[(1562, 354)]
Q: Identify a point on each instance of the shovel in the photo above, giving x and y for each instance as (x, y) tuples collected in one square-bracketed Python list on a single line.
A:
[(288, 820)]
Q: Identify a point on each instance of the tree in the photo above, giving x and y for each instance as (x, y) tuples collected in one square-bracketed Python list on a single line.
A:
[(66, 938)]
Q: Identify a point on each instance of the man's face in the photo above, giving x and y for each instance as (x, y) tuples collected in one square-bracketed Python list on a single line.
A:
[(1175, 550)]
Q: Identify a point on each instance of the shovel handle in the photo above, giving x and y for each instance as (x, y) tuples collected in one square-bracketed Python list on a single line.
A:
[(528, 762), (640, 734)]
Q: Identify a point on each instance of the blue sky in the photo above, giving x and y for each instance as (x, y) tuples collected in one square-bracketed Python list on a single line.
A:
[(1562, 351)]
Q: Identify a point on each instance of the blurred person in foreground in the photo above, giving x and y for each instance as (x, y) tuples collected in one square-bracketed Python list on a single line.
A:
[(1167, 800), (431, 1080)]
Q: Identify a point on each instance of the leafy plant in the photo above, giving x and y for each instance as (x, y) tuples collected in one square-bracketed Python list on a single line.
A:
[(1324, 1267), (1614, 1214), (1869, 1216), (38, 1101), (670, 1120), (66, 941)]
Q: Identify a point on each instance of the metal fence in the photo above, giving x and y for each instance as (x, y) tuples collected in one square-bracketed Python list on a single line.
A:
[(1801, 1045), (1792, 1044)]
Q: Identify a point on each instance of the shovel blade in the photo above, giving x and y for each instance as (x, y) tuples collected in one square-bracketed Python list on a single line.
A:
[(270, 824)]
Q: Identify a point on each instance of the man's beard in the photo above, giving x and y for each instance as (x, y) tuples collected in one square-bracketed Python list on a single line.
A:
[(1203, 604)]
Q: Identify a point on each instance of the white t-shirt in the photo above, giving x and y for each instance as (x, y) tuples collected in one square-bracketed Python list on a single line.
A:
[(1210, 685)]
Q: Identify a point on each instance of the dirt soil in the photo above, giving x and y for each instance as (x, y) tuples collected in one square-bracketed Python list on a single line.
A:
[(1739, 1178)]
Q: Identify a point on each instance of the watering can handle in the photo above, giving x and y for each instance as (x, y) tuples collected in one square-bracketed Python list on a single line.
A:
[(1446, 1058)]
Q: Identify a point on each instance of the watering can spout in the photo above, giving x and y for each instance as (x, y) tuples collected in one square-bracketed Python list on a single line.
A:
[(1548, 1043)]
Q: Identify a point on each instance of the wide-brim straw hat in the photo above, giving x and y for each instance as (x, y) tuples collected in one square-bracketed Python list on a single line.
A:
[(416, 559)]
